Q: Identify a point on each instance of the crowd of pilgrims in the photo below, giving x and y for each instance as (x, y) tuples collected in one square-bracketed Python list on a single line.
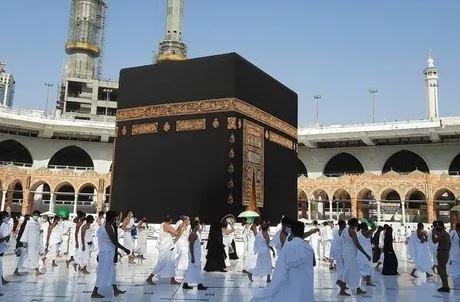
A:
[(286, 260)]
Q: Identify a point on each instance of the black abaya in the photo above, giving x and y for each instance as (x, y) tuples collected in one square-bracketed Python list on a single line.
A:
[(215, 259), (390, 262)]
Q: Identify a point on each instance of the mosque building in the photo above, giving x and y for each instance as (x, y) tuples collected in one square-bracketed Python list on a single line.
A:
[(406, 171)]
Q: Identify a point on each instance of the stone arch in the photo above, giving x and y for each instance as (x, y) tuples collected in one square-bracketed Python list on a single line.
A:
[(341, 202), (302, 201), (64, 196), (390, 194), (71, 157), (14, 196), (87, 198), (390, 205), (454, 168), (366, 204), (319, 203), (343, 163), (405, 161), (13, 152), (444, 200), (416, 206), (39, 196), (301, 168)]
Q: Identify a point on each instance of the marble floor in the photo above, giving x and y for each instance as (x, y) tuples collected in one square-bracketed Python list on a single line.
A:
[(60, 284)]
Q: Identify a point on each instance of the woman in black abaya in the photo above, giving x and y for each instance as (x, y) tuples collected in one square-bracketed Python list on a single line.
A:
[(215, 259), (390, 262)]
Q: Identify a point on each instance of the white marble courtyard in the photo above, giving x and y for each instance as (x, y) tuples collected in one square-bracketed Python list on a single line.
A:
[(60, 284)]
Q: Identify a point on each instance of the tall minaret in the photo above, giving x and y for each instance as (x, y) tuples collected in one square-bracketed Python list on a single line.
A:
[(172, 48), (432, 83)]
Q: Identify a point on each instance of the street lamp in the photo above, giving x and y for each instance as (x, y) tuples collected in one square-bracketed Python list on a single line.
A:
[(373, 92), (48, 85), (317, 99), (108, 91)]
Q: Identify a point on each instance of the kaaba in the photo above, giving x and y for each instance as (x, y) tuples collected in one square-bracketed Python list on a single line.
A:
[(205, 137)]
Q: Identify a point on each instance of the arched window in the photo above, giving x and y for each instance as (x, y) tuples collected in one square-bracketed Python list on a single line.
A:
[(405, 162), (367, 206), (341, 164), (320, 205), (40, 196), (444, 200), (390, 206), (416, 209), (12, 152), (341, 203), (87, 199), (454, 168), (71, 157), (301, 169)]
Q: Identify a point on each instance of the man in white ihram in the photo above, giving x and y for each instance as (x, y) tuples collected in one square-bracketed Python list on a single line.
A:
[(182, 246), (31, 240)]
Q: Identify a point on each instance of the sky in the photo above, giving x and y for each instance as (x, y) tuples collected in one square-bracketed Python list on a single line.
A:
[(336, 49)]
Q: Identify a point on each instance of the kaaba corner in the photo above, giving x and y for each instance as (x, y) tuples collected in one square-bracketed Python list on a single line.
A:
[(205, 137)]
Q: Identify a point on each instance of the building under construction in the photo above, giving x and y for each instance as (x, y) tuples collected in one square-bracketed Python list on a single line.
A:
[(83, 92)]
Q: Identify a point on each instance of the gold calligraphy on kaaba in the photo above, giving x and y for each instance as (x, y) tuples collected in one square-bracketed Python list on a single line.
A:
[(190, 125), (281, 140), (147, 128), (207, 106), (253, 163)]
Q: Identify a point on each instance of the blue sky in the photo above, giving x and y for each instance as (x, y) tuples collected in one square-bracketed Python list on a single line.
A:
[(339, 49)]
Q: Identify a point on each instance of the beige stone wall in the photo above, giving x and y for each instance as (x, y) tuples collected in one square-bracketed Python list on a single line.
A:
[(31, 179), (431, 185)]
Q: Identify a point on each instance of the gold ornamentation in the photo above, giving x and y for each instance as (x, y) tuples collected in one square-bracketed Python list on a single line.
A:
[(166, 127), (266, 134), (139, 129), (253, 163), (231, 169), (207, 106), (230, 198), (281, 140), (231, 123), (231, 153), (232, 138), (124, 130), (191, 125), (230, 184), (215, 123)]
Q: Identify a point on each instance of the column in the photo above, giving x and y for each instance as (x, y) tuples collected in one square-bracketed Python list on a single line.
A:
[(403, 211), (430, 210), (3, 200), (75, 202), (378, 211), (330, 209), (309, 209), (52, 199), (354, 207), (26, 202), (100, 202)]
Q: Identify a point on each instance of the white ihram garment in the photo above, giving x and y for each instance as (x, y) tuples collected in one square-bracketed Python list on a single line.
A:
[(336, 253), (182, 248), (264, 260), (5, 230), (293, 275), (142, 240), (86, 254), (316, 244), (365, 266), (106, 274), (433, 248), (250, 257), (327, 239), (412, 243), (54, 243), (128, 240), (78, 251), (165, 267), (193, 274), (227, 240), (350, 261), (32, 238), (454, 255), (423, 260)]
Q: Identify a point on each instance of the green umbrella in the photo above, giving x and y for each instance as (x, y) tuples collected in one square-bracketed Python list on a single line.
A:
[(62, 212), (248, 214)]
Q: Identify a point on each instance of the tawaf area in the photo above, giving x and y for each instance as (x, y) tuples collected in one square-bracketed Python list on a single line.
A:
[(209, 136)]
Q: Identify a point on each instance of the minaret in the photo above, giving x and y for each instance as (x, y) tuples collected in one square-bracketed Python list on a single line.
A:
[(432, 83), (172, 48), (86, 38)]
